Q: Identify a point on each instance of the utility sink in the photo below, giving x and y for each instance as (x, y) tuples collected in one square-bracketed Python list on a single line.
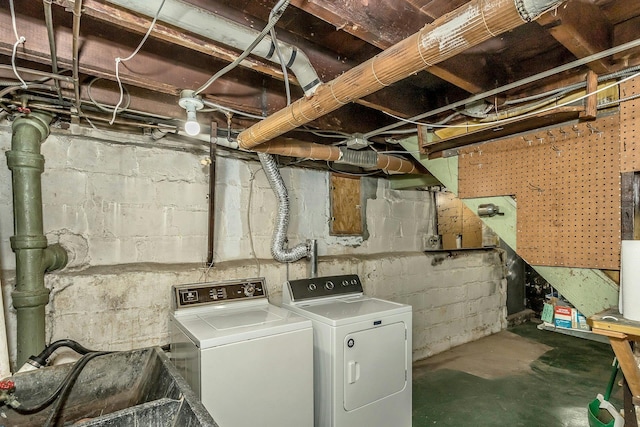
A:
[(133, 388)]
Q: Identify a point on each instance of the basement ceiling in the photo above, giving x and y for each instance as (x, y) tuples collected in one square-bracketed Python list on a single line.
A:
[(336, 35)]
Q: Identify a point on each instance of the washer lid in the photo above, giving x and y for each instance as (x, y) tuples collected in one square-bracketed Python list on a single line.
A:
[(209, 328), (349, 310)]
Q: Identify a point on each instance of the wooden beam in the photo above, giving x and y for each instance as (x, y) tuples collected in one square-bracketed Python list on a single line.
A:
[(582, 29), (623, 33), (387, 22), (589, 290), (148, 70), (591, 106)]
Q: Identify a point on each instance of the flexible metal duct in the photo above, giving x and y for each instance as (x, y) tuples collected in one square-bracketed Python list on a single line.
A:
[(278, 249), (214, 27), (312, 151), (447, 36)]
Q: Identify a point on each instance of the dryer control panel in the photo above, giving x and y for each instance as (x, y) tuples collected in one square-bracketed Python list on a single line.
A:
[(328, 286), (197, 294)]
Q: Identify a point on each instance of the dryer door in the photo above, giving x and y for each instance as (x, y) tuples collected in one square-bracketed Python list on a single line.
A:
[(375, 364)]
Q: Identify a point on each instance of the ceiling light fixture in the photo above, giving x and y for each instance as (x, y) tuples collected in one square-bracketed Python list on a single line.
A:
[(192, 103)]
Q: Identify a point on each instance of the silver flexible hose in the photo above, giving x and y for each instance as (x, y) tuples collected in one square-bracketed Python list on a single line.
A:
[(278, 249)]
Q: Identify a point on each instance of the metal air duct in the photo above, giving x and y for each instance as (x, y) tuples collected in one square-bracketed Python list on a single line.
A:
[(278, 243), (214, 27)]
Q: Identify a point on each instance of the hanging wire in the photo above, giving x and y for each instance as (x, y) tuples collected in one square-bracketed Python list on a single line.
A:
[(119, 60), (285, 73), (19, 40), (274, 16)]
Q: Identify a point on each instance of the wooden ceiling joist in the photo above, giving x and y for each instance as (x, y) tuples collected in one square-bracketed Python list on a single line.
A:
[(582, 29), (387, 24)]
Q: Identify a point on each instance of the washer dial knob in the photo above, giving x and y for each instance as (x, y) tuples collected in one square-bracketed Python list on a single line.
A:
[(329, 285)]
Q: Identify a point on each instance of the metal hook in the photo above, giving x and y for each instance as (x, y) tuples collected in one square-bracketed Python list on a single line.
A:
[(552, 137), (576, 129), (564, 133), (528, 141), (594, 130)]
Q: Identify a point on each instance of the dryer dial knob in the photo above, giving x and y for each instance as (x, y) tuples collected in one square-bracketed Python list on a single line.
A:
[(249, 289), (329, 285), (312, 287)]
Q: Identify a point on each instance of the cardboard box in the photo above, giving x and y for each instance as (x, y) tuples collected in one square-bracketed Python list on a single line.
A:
[(562, 317), (578, 321)]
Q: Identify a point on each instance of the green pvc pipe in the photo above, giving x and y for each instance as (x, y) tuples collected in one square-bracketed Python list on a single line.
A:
[(33, 256)]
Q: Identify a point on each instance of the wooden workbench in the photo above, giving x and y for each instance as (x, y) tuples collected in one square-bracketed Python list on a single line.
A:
[(620, 332)]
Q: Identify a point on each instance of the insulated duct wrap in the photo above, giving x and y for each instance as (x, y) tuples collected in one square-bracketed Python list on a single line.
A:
[(278, 250), (447, 36), (362, 158), (531, 9)]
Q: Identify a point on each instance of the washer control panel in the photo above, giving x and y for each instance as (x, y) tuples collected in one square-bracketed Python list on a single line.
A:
[(196, 294), (324, 287)]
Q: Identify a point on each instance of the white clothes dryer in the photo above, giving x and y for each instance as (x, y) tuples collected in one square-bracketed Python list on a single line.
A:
[(362, 352), (250, 362)]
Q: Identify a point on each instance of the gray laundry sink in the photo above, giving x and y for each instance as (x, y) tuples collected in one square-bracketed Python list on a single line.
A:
[(133, 388)]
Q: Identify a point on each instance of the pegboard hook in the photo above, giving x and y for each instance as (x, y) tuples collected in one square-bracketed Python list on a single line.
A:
[(552, 137), (563, 133), (528, 141), (594, 130), (576, 129)]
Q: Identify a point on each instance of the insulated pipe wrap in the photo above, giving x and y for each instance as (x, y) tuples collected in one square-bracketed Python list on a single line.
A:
[(313, 151), (447, 36), (278, 249)]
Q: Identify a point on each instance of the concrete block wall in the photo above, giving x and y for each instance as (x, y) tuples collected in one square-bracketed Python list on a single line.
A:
[(133, 217)]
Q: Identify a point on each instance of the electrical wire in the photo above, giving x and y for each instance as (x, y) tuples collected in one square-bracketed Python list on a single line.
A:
[(285, 73), (119, 60), (231, 110), (524, 116), (103, 107), (274, 16), (19, 40), (249, 229), (577, 63)]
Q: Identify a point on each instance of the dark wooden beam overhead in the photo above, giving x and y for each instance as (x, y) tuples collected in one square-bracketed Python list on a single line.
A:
[(384, 23), (583, 29)]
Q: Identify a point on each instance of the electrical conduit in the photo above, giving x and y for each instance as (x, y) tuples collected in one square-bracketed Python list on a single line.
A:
[(33, 256), (447, 36)]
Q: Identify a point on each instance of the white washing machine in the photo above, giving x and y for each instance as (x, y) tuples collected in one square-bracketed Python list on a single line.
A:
[(250, 362), (362, 352)]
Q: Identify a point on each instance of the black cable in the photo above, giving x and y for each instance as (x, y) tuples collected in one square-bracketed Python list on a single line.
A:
[(68, 384), (68, 379), (42, 358)]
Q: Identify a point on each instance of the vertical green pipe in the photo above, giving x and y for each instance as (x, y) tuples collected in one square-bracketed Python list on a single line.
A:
[(33, 257)]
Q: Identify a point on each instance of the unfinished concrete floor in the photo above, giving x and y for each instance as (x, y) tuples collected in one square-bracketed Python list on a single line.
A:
[(518, 377)]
